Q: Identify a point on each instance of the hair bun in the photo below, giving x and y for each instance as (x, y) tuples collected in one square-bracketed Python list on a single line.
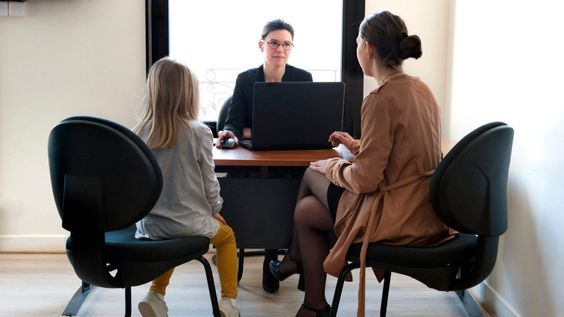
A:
[(410, 46)]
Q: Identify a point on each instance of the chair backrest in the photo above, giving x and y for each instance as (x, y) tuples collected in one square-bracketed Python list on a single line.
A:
[(103, 178), (469, 193), (223, 113), (87, 153), (469, 187)]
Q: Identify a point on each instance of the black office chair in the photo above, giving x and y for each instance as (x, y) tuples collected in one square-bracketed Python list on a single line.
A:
[(105, 179), (223, 113), (468, 191)]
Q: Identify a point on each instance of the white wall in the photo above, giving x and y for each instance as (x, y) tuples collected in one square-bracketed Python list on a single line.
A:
[(508, 66), (63, 58)]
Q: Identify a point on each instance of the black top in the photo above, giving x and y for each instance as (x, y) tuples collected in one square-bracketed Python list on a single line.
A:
[(241, 111)]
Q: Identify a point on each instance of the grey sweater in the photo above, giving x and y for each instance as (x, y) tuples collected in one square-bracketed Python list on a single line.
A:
[(190, 194)]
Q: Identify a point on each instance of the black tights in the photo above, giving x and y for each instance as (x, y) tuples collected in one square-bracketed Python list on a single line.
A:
[(310, 243)]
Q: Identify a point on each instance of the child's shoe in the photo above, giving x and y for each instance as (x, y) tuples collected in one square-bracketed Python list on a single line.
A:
[(228, 307), (153, 305)]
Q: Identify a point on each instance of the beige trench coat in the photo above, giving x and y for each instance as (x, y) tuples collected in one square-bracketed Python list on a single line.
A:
[(386, 196)]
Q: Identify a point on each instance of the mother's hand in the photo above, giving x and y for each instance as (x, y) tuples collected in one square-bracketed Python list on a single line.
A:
[(319, 166), (339, 137)]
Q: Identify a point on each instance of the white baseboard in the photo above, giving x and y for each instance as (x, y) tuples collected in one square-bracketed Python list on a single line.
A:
[(32, 243), (493, 301)]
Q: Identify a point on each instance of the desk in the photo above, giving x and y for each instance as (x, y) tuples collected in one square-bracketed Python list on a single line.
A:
[(260, 191), (240, 156)]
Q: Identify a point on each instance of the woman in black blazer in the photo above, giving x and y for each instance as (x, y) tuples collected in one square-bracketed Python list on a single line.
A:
[(276, 43)]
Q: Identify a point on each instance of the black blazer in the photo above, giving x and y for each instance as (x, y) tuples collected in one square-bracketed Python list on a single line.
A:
[(241, 111)]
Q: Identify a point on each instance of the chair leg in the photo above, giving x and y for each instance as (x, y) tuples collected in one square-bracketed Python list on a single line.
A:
[(385, 291), (339, 287), (301, 282), (241, 264), (211, 286), (77, 299), (470, 305), (128, 302)]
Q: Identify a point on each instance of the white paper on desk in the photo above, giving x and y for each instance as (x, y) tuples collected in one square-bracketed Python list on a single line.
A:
[(345, 153)]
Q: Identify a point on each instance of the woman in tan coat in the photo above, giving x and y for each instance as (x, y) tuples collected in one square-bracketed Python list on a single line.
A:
[(381, 194)]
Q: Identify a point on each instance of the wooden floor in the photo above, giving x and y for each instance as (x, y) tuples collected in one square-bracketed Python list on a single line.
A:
[(40, 285)]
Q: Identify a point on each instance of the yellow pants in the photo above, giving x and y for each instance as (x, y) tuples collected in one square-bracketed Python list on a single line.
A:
[(226, 248)]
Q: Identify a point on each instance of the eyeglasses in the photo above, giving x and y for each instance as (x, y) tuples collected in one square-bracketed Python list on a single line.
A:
[(275, 43)]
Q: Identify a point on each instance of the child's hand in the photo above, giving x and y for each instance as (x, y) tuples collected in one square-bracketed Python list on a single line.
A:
[(219, 218)]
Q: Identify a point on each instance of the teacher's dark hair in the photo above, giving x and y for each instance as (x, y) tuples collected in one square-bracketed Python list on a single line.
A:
[(276, 25), (388, 34)]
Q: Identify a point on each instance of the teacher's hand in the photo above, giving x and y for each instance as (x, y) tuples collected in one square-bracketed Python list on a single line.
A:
[(225, 134)]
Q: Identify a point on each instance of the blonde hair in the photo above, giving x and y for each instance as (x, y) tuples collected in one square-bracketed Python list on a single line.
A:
[(171, 98)]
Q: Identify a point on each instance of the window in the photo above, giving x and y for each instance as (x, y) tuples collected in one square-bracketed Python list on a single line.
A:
[(219, 39)]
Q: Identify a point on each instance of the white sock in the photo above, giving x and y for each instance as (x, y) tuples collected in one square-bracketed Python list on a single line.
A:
[(233, 301), (159, 295)]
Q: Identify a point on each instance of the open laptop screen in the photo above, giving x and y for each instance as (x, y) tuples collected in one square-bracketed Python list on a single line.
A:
[(296, 115)]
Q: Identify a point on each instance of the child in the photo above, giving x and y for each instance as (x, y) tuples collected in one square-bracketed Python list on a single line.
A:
[(189, 204)]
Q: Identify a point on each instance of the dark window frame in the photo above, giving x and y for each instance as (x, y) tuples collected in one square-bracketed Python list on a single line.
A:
[(157, 46)]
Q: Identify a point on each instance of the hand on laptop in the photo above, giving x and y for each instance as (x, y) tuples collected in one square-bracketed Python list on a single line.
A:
[(339, 137), (224, 135)]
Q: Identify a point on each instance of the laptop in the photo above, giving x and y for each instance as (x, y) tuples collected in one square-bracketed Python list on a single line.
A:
[(295, 115)]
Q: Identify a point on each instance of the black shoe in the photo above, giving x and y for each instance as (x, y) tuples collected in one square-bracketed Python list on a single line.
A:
[(280, 275), (270, 283), (322, 312)]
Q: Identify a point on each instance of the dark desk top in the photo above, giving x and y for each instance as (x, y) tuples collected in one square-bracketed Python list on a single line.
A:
[(241, 156)]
